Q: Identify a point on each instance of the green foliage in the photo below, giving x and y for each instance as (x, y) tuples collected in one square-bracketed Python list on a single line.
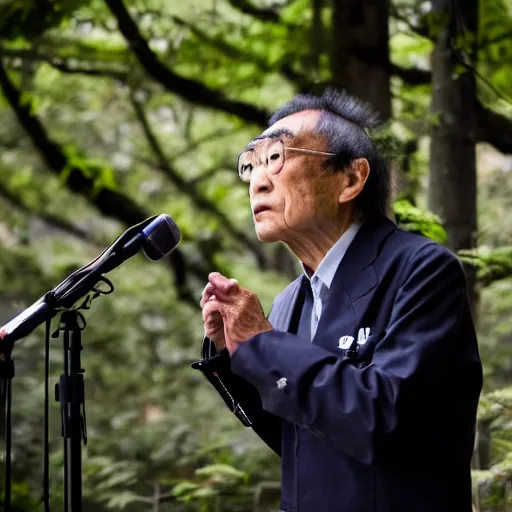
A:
[(436, 22), (213, 480), (100, 174), (412, 219), (30, 18), (496, 51), (494, 484), (491, 264), (21, 497)]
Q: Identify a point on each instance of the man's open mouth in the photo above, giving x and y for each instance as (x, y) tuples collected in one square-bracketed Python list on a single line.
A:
[(260, 208)]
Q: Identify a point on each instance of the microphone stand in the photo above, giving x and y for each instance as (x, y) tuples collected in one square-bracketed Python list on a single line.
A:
[(156, 237), (6, 376), (70, 393)]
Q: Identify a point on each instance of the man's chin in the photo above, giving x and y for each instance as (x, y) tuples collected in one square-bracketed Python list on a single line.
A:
[(267, 235)]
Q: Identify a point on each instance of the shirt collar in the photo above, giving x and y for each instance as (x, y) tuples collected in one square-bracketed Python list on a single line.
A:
[(331, 261)]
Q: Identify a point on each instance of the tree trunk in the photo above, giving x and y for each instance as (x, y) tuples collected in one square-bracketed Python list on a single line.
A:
[(317, 34), (360, 51), (453, 188), (452, 191)]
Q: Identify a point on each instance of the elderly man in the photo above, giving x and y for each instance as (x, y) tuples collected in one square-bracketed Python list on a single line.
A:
[(365, 377)]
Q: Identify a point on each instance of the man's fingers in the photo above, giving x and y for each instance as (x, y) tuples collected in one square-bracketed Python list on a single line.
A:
[(222, 283), (213, 321), (211, 307), (208, 292), (220, 286)]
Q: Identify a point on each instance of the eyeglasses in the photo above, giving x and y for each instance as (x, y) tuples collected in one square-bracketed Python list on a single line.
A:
[(271, 154)]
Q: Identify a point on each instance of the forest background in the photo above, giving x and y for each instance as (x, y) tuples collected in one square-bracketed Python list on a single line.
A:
[(115, 110)]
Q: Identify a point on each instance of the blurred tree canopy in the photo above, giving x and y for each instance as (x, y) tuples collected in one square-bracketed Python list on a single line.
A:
[(115, 110)]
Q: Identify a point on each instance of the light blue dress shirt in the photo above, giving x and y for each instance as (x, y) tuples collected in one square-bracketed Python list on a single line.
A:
[(321, 280)]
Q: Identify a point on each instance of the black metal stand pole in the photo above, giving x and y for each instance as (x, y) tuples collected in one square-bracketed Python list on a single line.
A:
[(70, 394), (6, 376)]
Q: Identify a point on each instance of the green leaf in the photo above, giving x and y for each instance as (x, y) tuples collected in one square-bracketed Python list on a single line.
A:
[(492, 264), (417, 221), (122, 499), (183, 488), (222, 475)]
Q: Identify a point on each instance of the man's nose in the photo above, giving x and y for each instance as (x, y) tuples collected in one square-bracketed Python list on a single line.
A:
[(260, 180)]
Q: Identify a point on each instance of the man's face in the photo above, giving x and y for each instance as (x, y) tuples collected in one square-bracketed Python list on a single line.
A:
[(291, 195)]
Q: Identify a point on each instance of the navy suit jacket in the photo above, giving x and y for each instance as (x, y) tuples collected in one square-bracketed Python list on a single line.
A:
[(378, 411)]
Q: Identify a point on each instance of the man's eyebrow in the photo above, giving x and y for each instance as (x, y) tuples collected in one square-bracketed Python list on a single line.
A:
[(270, 135), (275, 134)]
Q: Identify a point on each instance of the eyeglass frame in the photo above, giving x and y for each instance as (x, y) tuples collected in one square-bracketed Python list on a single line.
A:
[(313, 152)]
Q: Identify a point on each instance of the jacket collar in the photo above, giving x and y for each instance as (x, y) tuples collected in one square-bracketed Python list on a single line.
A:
[(355, 271), (354, 277), (328, 266)]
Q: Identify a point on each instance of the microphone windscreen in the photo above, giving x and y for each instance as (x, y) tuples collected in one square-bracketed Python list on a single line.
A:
[(160, 237)]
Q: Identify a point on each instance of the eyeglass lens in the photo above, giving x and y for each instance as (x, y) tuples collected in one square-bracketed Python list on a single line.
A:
[(269, 153)]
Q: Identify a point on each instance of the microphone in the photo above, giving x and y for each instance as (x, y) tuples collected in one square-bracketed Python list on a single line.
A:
[(157, 236), (156, 240)]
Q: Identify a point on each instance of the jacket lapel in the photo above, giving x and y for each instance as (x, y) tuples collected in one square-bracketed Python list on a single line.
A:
[(286, 311), (354, 278)]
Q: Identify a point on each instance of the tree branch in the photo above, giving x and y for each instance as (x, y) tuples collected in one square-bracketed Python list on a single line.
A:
[(496, 39), (193, 182), (412, 76), (9, 144), (71, 229), (82, 70), (187, 88), (261, 13), (62, 65), (494, 129), (194, 144), (235, 52), (208, 174), (109, 202), (420, 30), (190, 190)]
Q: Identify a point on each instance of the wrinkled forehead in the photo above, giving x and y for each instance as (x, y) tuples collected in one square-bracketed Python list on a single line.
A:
[(299, 127)]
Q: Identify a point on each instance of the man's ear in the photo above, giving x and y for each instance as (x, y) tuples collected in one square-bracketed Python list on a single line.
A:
[(356, 173)]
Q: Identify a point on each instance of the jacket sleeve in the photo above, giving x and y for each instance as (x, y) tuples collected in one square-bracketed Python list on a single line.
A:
[(241, 397), (351, 406)]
